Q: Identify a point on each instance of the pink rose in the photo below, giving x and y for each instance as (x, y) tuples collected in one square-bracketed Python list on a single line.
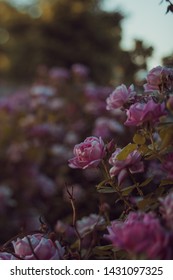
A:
[(120, 96), (88, 153), (105, 126), (43, 248), (140, 113), (159, 78), (80, 70), (6, 256), (141, 234), (132, 164)]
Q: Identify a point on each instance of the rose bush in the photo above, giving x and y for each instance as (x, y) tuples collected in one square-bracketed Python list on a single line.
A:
[(128, 158)]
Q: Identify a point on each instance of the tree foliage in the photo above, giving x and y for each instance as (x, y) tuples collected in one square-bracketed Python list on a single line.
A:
[(66, 32)]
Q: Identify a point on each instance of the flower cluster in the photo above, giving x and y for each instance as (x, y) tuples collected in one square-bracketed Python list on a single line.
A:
[(151, 240), (123, 167), (35, 247), (128, 158)]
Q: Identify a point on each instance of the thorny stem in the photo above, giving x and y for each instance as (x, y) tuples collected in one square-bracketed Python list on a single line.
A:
[(106, 170), (122, 197), (32, 249), (91, 245), (152, 140), (116, 187), (136, 185), (74, 216)]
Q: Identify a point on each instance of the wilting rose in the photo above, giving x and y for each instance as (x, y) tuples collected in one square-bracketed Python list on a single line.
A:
[(121, 168), (140, 113), (36, 246), (120, 96), (88, 153), (141, 234)]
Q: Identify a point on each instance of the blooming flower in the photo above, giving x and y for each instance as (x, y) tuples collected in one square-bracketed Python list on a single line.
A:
[(38, 247), (80, 70), (59, 73), (140, 234), (88, 153), (120, 96), (105, 126), (159, 77), (6, 256), (132, 164), (140, 113)]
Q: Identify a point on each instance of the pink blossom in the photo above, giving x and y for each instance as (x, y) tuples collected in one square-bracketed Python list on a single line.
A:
[(140, 234), (7, 256), (44, 249), (105, 126), (120, 96), (88, 153), (80, 70), (140, 113), (159, 78), (95, 93), (132, 164), (59, 73), (66, 230)]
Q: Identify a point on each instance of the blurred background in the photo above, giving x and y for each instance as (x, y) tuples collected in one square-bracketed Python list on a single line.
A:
[(114, 39), (59, 61)]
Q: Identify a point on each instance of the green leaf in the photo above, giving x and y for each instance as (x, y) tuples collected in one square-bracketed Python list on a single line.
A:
[(143, 149), (105, 252), (146, 182), (139, 139), (145, 203), (165, 182), (128, 190), (126, 151), (103, 248), (105, 189), (166, 134), (163, 124)]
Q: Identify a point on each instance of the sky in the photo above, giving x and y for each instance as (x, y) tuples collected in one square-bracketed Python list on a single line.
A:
[(146, 20)]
